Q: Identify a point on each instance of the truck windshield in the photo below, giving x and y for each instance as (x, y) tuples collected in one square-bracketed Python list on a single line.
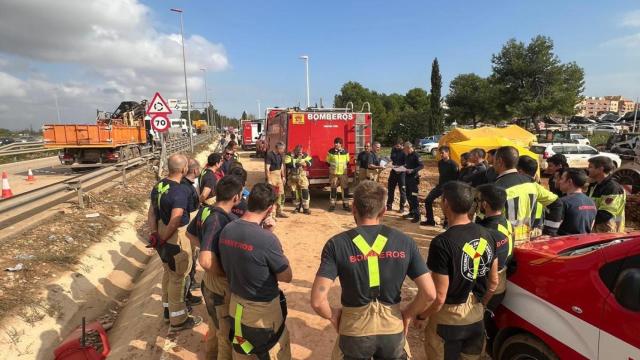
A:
[(592, 247)]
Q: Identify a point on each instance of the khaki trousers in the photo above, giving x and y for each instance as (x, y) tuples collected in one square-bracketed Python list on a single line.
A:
[(439, 344), (373, 329), (216, 294), (343, 182), (300, 186), (275, 179), (174, 282), (262, 315)]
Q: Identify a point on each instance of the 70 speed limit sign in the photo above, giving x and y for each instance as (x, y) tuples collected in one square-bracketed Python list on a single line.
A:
[(160, 123)]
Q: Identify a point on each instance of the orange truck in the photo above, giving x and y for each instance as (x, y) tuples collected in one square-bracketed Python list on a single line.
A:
[(115, 137)]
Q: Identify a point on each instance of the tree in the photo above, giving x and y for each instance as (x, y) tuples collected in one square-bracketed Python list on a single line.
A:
[(532, 82), (471, 99), (418, 99), (244, 116), (436, 119), (358, 95)]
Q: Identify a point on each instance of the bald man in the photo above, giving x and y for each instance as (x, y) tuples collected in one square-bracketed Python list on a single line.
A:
[(167, 219)]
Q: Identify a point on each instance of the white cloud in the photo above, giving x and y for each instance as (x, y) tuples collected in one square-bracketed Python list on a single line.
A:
[(631, 19), (114, 43)]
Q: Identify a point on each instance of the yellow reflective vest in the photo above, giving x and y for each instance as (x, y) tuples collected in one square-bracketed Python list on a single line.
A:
[(338, 161)]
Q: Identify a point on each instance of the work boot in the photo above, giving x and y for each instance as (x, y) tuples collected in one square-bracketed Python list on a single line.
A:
[(193, 299), (332, 208), (346, 207), (307, 211), (166, 315), (415, 220), (389, 208), (298, 209), (428, 223), (401, 209), (407, 216), (281, 215), (190, 323)]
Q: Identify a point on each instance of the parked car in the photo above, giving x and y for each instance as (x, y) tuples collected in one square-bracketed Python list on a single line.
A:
[(562, 136), (572, 297), (577, 155), (605, 128), (429, 144)]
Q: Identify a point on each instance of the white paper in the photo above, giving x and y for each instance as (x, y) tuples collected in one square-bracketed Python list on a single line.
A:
[(400, 168), (383, 163)]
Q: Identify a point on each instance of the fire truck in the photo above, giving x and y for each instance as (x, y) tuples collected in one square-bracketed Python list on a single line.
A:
[(315, 129), (250, 132)]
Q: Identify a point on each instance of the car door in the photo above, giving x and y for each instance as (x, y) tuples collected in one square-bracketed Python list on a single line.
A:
[(621, 316), (586, 153), (572, 155)]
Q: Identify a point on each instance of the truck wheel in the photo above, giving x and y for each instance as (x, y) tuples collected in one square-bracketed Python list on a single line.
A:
[(525, 347)]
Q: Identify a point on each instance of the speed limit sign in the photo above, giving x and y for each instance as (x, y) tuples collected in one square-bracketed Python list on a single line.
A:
[(160, 123)]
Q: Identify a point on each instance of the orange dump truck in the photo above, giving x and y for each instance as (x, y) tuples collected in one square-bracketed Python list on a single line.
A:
[(117, 137)]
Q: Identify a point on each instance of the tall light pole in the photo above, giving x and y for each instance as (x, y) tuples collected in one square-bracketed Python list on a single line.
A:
[(55, 96), (305, 58), (186, 88), (259, 110), (206, 96)]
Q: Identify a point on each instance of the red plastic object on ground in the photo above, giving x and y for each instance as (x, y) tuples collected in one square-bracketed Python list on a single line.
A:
[(77, 347)]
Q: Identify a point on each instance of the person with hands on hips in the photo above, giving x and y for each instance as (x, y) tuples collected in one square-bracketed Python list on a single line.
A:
[(371, 261)]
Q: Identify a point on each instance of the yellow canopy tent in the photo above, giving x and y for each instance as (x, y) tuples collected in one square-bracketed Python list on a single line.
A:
[(516, 134), (485, 143)]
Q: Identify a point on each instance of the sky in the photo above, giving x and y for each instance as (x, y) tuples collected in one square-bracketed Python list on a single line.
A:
[(93, 54)]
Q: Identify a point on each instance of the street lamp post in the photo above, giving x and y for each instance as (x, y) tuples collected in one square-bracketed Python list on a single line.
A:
[(305, 58), (259, 110), (186, 88), (206, 96)]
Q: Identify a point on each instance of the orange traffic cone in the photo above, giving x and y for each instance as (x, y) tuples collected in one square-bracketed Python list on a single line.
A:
[(30, 177), (6, 189)]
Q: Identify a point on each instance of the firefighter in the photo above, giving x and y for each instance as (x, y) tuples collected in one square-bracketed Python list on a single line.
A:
[(555, 166), (205, 230), (274, 175), (491, 199), (230, 155), (296, 163), (254, 262), (459, 258), (521, 191), (167, 216), (190, 181), (373, 173), (370, 322), (579, 210), (448, 171), (608, 195), (397, 178), (363, 160), (413, 165), (209, 176), (338, 160), (528, 166)]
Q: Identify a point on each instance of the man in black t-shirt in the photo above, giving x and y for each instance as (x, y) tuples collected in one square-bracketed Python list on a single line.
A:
[(362, 161), (413, 165), (579, 210), (254, 262), (458, 259), (448, 171), (209, 176), (205, 229), (372, 261), (240, 208), (167, 217), (274, 175), (397, 179)]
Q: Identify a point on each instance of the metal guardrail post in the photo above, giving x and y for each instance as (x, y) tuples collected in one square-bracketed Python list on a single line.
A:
[(77, 186)]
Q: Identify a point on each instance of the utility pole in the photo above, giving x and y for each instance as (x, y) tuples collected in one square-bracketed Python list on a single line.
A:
[(635, 117), (206, 96), (55, 96), (305, 58), (186, 88), (259, 111)]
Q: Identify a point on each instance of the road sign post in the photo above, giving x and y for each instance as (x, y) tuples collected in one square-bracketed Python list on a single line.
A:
[(159, 110)]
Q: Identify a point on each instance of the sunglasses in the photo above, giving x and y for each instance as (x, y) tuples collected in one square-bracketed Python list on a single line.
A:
[(225, 154)]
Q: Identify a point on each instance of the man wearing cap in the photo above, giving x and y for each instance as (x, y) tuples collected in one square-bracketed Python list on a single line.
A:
[(338, 160), (274, 175)]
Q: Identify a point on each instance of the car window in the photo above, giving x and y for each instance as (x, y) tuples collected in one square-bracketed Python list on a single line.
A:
[(609, 272), (537, 149), (570, 149), (588, 150), (558, 149)]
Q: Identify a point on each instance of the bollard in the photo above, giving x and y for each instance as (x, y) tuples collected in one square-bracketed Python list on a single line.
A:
[(77, 186)]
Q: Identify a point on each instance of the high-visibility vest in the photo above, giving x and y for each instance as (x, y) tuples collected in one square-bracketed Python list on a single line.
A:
[(609, 196), (338, 161), (508, 232), (292, 161), (371, 253), (245, 345), (162, 189)]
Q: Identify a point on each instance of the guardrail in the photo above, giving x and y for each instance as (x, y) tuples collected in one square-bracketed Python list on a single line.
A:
[(20, 148)]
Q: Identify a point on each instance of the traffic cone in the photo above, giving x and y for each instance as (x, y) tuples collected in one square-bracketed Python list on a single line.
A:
[(6, 189), (30, 177)]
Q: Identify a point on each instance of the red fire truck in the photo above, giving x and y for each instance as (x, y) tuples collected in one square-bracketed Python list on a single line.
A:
[(315, 129), (251, 130)]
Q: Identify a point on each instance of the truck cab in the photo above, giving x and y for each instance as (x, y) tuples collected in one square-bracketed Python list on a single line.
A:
[(572, 297)]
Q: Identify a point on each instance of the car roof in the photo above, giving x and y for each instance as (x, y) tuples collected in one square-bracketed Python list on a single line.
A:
[(556, 245)]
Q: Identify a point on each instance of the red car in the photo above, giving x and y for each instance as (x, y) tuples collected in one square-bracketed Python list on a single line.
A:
[(572, 297)]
